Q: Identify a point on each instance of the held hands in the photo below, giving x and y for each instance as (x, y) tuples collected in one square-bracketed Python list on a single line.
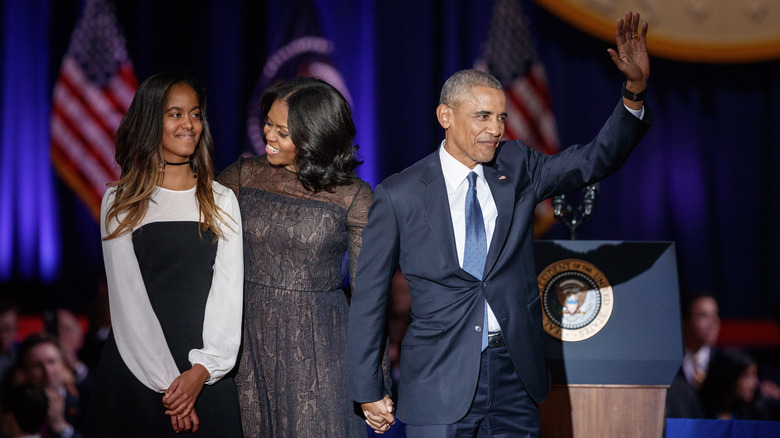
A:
[(179, 398), (631, 57), (379, 414)]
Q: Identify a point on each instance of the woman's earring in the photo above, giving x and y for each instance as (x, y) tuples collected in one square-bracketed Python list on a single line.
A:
[(161, 166)]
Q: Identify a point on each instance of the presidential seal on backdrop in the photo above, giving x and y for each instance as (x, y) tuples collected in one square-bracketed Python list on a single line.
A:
[(720, 31), (577, 299)]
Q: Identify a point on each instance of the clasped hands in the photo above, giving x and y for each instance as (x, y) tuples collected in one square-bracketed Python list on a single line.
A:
[(179, 399), (379, 414)]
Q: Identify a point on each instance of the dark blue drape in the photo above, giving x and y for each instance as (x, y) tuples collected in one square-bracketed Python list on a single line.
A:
[(28, 205), (703, 177)]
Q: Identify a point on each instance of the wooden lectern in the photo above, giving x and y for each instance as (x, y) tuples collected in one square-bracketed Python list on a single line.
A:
[(610, 371)]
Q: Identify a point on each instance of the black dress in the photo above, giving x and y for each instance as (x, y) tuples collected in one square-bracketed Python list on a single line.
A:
[(176, 264), (292, 373)]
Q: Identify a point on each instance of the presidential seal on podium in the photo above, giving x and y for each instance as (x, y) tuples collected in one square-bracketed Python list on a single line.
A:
[(577, 299)]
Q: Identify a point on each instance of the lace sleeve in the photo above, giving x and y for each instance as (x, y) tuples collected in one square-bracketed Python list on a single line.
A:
[(231, 177), (357, 216)]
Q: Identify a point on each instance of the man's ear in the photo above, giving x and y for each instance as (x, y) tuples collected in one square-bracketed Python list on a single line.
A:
[(444, 115)]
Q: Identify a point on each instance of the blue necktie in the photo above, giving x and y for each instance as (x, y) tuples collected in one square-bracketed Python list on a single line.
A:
[(475, 249)]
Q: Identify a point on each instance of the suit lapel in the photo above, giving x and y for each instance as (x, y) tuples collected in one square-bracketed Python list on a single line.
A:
[(437, 210), (503, 195)]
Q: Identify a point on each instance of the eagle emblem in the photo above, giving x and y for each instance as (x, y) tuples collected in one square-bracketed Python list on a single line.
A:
[(577, 299), (571, 295)]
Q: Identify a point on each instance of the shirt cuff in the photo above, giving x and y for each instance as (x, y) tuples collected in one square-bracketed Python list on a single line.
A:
[(637, 113)]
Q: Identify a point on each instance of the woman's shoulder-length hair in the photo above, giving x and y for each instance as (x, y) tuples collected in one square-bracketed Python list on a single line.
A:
[(321, 128)]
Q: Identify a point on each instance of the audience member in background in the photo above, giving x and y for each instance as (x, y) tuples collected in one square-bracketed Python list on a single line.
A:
[(99, 318), (23, 411), (65, 325), (8, 327), (700, 326), (769, 375), (730, 391), (41, 365)]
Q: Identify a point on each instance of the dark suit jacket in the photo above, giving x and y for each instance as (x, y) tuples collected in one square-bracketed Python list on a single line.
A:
[(409, 225), (682, 399)]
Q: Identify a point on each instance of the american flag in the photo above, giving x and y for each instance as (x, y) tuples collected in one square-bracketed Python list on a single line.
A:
[(95, 86), (510, 57)]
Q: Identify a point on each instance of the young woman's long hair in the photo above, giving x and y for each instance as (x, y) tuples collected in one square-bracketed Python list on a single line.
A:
[(138, 143), (321, 127)]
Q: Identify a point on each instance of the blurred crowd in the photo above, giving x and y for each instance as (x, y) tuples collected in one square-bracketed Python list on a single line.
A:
[(46, 379), (721, 383)]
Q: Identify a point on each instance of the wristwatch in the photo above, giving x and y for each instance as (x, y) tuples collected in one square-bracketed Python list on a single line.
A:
[(634, 97)]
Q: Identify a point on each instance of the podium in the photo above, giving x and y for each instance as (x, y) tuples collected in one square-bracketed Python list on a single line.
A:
[(613, 341)]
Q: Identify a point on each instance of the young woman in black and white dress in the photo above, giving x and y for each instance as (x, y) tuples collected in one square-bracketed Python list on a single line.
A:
[(173, 253)]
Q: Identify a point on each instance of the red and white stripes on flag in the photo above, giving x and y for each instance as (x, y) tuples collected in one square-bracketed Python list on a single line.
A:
[(510, 57), (529, 111), (95, 86)]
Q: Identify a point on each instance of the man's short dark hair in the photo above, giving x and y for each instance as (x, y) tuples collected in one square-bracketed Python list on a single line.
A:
[(687, 298), (460, 84), (33, 340)]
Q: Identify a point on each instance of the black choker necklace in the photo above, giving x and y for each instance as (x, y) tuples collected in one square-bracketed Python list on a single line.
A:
[(178, 164)]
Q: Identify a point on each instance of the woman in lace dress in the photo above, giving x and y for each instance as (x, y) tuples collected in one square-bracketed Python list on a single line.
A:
[(303, 211), (173, 253)]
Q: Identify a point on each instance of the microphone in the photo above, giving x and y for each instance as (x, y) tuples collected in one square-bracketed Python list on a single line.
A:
[(590, 200), (561, 208)]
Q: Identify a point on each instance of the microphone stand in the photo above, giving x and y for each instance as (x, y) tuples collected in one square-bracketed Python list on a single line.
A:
[(573, 218)]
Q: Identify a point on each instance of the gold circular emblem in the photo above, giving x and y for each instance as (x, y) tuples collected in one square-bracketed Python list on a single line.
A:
[(685, 30), (576, 299)]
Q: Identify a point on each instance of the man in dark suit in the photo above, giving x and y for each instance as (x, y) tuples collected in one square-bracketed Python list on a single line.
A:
[(459, 224), (42, 366), (700, 327)]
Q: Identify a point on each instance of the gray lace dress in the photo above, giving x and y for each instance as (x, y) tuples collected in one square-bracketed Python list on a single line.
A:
[(292, 373)]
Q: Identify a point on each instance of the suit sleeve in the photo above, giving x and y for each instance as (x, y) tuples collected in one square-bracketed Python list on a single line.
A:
[(138, 334), (368, 309), (581, 165), (222, 319)]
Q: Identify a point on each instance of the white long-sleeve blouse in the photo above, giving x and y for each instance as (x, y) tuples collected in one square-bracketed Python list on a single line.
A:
[(139, 336)]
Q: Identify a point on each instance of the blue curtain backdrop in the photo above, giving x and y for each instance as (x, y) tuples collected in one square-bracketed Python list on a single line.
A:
[(703, 177)]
